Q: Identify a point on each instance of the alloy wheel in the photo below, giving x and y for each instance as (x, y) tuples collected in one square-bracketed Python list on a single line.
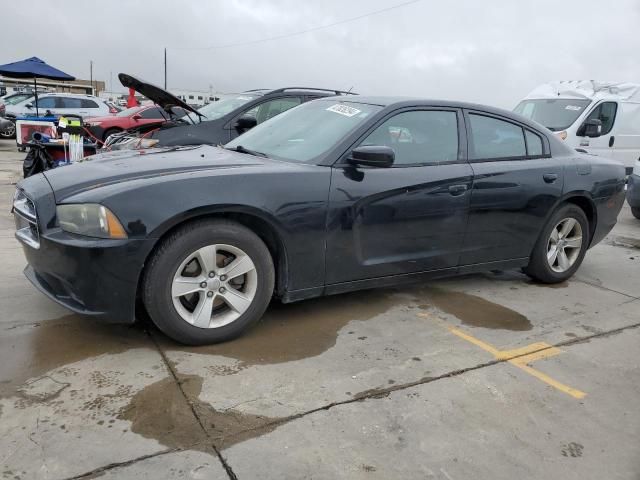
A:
[(564, 245), (214, 286), (9, 132)]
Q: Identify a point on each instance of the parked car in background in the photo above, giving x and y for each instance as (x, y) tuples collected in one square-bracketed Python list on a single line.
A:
[(633, 190), (136, 117), (224, 120), (61, 104), (570, 107), (337, 194)]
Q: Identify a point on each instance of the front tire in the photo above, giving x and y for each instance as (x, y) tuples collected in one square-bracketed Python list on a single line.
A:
[(561, 246), (9, 132), (108, 132), (208, 282)]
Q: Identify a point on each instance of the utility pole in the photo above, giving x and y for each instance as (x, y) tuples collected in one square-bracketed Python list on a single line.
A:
[(91, 75), (165, 68)]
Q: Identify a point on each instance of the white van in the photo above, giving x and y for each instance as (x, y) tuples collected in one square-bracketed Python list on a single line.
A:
[(602, 118)]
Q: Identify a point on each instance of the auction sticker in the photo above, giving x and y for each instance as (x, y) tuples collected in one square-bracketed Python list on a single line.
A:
[(575, 108), (343, 110)]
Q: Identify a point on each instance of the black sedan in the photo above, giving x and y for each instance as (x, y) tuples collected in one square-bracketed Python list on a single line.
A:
[(331, 196)]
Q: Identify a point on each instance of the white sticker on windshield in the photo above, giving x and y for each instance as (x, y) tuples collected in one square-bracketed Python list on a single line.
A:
[(343, 110), (575, 108), (243, 98)]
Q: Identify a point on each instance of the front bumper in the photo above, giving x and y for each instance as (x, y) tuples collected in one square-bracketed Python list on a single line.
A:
[(633, 190), (88, 276)]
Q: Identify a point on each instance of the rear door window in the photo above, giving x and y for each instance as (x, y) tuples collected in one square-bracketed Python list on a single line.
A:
[(534, 144), (495, 138), (86, 103), (74, 103)]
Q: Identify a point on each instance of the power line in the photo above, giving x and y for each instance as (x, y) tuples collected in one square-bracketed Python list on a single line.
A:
[(301, 32)]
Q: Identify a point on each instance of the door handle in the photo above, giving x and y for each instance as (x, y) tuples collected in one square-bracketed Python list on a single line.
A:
[(550, 177), (611, 140), (456, 190)]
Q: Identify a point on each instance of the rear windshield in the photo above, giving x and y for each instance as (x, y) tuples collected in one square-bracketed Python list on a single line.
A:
[(554, 113)]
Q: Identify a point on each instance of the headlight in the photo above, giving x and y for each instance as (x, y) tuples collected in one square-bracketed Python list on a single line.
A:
[(90, 219)]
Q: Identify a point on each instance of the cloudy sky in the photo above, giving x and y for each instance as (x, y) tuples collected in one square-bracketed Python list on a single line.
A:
[(489, 51)]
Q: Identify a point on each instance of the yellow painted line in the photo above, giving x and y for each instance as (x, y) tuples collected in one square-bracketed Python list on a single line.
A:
[(520, 357)]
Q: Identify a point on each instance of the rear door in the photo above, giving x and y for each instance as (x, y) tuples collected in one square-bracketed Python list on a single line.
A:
[(515, 183), (410, 217)]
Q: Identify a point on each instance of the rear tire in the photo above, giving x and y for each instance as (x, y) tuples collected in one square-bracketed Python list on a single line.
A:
[(203, 259), (561, 247), (635, 211)]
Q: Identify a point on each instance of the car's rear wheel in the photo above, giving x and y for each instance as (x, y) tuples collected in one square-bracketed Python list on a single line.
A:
[(561, 247), (108, 132), (636, 212), (208, 282)]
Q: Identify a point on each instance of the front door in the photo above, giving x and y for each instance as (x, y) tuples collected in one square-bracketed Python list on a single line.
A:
[(410, 217), (603, 145), (516, 182)]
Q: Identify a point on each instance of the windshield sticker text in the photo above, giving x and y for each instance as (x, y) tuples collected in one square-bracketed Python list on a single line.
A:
[(343, 110), (575, 108)]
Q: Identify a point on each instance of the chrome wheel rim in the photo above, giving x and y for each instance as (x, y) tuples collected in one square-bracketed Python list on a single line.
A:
[(9, 131), (564, 245), (214, 286)]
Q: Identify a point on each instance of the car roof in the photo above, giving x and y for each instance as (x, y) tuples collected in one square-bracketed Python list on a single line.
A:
[(69, 95), (323, 92), (399, 102)]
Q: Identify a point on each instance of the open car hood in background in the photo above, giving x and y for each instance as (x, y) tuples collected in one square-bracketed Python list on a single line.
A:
[(156, 94)]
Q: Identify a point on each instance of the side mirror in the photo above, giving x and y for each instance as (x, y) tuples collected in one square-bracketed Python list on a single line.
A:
[(136, 117), (29, 105), (372, 156), (591, 128), (244, 123)]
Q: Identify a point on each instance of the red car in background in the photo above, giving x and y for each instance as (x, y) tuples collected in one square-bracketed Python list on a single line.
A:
[(102, 127)]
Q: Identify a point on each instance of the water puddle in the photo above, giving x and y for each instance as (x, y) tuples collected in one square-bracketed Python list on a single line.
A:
[(28, 351), (159, 411), (299, 330), (475, 311)]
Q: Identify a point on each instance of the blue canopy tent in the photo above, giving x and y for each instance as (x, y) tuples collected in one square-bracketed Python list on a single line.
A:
[(33, 68)]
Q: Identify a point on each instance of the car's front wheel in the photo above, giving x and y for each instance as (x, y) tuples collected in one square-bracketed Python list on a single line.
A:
[(9, 132), (561, 247), (208, 282)]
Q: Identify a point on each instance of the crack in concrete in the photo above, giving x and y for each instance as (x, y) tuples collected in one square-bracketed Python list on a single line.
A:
[(374, 393), (100, 470), (605, 288), (223, 461)]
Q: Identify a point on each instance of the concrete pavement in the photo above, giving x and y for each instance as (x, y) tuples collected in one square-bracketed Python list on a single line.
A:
[(490, 376)]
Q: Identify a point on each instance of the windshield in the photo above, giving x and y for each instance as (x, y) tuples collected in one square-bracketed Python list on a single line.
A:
[(554, 113), (305, 132), (15, 99), (220, 108)]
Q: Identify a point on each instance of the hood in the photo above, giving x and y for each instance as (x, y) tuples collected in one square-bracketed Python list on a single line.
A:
[(155, 94), (126, 165)]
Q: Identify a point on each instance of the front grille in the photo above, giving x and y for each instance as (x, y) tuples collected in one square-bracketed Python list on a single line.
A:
[(26, 218)]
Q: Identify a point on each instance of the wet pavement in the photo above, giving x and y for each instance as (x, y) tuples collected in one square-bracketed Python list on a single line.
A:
[(489, 375)]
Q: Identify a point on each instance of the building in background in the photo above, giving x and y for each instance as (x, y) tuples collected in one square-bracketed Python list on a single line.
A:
[(13, 85)]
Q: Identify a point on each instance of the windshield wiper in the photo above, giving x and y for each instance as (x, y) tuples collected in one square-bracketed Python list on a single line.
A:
[(242, 149)]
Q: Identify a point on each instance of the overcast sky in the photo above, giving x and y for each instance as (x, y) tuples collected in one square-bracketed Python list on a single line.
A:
[(489, 51)]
